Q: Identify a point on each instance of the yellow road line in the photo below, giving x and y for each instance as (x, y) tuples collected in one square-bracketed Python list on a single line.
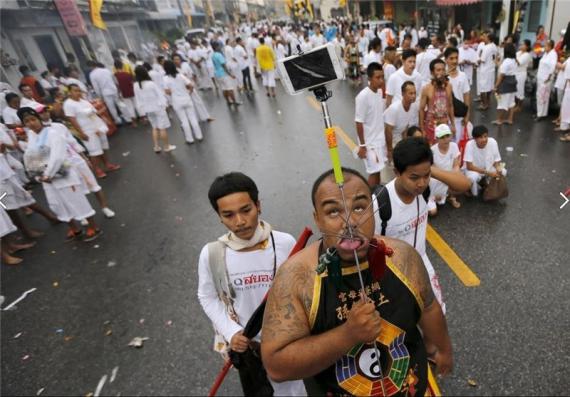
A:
[(461, 270)]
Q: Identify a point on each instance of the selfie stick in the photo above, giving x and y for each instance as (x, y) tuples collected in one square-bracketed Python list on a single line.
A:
[(322, 95)]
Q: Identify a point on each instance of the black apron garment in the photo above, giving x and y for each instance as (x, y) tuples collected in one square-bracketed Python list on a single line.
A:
[(402, 351)]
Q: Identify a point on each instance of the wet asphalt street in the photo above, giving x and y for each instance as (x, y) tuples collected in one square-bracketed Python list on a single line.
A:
[(511, 334)]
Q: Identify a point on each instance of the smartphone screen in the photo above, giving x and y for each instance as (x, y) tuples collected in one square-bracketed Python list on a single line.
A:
[(310, 69)]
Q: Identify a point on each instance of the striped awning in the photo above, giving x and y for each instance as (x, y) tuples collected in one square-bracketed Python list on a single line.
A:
[(455, 2)]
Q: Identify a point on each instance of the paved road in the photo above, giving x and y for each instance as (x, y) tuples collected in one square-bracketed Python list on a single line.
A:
[(510, 334)]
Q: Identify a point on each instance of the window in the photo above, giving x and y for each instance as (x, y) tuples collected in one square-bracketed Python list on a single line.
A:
[(534, 14)]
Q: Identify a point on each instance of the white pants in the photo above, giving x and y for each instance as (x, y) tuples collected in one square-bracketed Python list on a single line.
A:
[(68, 203), (199, 106), (542, 98), (475, 178), (111, 102), (268, 78), (521, 79), (129, 112), (88, 181), (97, 143), (565, 110), (375, 160), (187, 116)]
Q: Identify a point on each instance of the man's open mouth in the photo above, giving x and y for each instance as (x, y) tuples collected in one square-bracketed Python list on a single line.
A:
[(350, 244)]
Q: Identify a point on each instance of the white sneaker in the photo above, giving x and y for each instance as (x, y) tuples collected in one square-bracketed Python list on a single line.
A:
[(84, 222), (170, 148), (108, 212)]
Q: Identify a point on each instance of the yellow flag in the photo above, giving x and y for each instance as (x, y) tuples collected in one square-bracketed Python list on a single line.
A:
[(95, 11), (342, 3)]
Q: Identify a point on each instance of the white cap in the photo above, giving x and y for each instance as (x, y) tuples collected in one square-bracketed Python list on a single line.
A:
[(442, 130)]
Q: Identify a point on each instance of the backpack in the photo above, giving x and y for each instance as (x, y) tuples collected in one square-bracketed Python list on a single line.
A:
[(385, 207)]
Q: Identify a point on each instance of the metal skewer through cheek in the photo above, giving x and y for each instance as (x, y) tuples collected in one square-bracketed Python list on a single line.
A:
[(322, 96)]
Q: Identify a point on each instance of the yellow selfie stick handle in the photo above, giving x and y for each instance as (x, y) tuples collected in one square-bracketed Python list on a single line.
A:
[(332, 144)]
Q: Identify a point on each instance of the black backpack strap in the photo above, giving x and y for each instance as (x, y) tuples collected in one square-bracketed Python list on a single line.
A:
[(384, 206)]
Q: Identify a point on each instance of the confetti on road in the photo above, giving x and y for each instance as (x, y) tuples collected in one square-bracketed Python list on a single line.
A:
[(113, 374), (138, 341), (471, 383), (40, 391), (55, 284), (109, 332), (141, 321), (59, 331), (67, 338), (96, 246), (17, 335), (509, 148), (126, 154), (26, 357), (21, 298), (100, 386), (111, 264), (169, 323), (524, 155)]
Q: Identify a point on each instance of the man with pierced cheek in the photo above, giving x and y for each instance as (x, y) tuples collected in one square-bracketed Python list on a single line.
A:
[(321, 326)]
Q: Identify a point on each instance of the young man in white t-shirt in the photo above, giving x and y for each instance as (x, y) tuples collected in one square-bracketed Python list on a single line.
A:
[(369, 118), (446, 156), (460, 88), (400, 116), (374, 54), (405, 73), (482, 158), (413, 165), (236, 271)]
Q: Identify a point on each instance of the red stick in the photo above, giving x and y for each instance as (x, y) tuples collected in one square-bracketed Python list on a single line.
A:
[(301, 243)]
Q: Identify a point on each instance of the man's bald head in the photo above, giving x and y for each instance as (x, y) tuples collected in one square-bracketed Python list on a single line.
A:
[(330, 174)]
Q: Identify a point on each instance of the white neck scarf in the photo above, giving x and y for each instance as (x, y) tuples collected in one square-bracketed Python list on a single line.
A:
[(262, 233)]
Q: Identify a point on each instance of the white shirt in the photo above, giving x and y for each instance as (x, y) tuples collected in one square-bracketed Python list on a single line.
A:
[(405, 219), (157, 76), (397, 79), (389, 70), (397, 117), (445, 161), (179, 93), (79, 83), (186, 70), (250, 274), (423, 60), (241, 56), (482, 158), (280, 51), (29, 103), (363, 44), (10, 116), (488, 54), (460, 85), (508, 67), (470, 55), (372, 56), (85, 114), (524, 60), (103, 82), (370, 112), (317, 41), (546, 66), (150, 97)]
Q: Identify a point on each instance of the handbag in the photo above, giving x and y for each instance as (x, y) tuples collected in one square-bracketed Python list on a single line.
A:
[(496, 189), (508, 85), (460, 109)]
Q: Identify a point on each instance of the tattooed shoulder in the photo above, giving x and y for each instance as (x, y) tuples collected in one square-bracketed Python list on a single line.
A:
[(289, 302)]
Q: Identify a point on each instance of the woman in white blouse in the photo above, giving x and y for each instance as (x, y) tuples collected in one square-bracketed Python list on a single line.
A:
[(524, 60), (506, 101), (150, 100)]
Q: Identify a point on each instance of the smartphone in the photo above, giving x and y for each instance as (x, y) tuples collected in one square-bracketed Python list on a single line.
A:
[(311, 69)]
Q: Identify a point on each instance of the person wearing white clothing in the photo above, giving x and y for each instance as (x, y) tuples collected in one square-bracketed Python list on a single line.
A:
[(565, 106), (151, 101), (399, 116), (60, 182), (369, 118), (28, 100), (506, 100), (487, 70), (236, 271), (363, 43), (183, 67), (374, 54), (197, 58), (524, 60), (423, 60), (77, 160), (460, 88), (446, 156), (105, 87), (544, 79), (92, 130), (178, 87), (244, 64), (405, 73), (317, 39), (199, 106), (482, 158), (467, 58), (390, 57)]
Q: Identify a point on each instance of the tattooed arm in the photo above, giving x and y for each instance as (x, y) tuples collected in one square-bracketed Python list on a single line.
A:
[(432, 322), (288, 349)]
